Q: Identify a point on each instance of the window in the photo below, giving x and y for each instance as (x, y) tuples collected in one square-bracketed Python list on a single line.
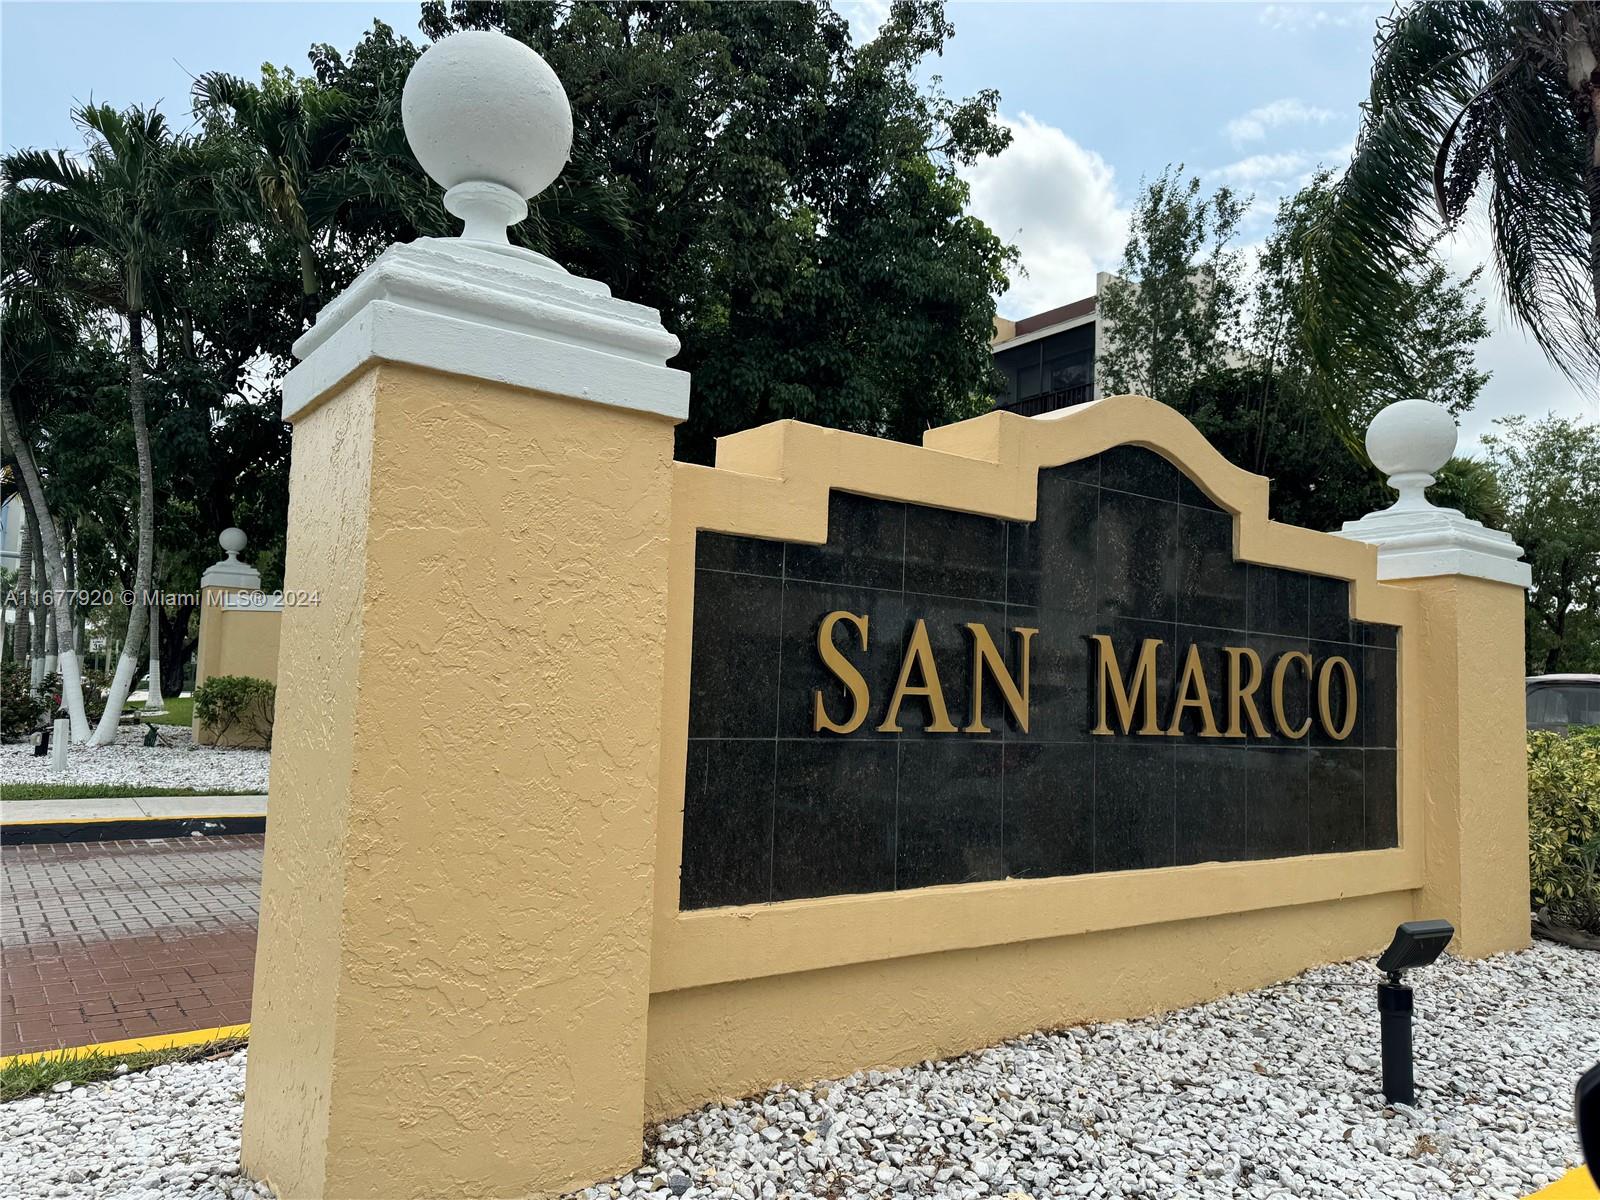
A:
[(1564, 704), (1065, 371)]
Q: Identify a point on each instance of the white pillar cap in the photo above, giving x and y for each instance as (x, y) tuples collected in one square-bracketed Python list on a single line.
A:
[(230, 572), (489, 121), (1409, 441)]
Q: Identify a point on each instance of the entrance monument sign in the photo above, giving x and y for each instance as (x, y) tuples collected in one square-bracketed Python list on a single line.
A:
[(934, 697), (839, 753)]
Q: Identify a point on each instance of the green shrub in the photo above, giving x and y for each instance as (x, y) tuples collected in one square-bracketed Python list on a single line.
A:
[(96, 686), (1564, 825), (236, 705), (20, 709)]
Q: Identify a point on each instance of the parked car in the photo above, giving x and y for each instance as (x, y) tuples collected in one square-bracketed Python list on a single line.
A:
[(1559, 702)]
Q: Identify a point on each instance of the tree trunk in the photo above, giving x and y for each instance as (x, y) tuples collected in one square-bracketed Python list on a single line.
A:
[(70, 554), (175, 647), (309, 285), (153, 703), (139, 611), (41, 614), (52, 635), (61, 612), (22, 631)]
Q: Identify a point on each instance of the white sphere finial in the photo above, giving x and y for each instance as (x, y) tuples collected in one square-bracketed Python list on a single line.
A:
[(489, 121), (1409, 441), (232, 540)]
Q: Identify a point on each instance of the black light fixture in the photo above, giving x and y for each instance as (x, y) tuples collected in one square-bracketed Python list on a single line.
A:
[(1416, 944)]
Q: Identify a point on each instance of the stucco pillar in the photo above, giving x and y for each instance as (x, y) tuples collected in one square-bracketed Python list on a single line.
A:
[(451, 983), (227, 575), (1471, 583)]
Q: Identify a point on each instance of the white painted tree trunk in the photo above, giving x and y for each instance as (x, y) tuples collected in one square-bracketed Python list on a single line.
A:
[(106, 732), (41, 614), (121, 684), (61, 612), (153, 703), (52, 640), (22, 631)]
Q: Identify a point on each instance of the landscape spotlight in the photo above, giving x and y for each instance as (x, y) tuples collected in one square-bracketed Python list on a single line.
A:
[(1416, 944)]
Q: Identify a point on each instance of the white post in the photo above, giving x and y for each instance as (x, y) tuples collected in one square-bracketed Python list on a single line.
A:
[(58, 745)]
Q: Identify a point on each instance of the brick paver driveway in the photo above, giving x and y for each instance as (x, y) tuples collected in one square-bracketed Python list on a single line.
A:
[(109, 940)]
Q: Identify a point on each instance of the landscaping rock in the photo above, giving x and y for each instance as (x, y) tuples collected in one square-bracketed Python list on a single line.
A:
[(1268, 1094), (129, 762)]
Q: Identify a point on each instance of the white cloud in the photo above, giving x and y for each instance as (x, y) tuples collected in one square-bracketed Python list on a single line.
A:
[(1056, 201), (1270, 177), (1298, 16), (1253, 126), (1258, 169), (865, 17)]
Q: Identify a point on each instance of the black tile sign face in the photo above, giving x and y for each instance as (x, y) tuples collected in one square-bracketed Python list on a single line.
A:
[(934, 697)]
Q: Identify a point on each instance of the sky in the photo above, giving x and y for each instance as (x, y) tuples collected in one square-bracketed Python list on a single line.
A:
[(1099, 96)]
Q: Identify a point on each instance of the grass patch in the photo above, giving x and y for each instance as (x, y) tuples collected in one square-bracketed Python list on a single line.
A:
[(180, 711), (104, 791), (18, 1080)]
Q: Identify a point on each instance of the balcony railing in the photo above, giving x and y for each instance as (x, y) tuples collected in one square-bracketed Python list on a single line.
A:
[(1047, 401)]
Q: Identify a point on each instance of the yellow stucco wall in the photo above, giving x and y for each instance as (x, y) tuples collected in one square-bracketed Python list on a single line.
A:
[(234, 641), (299, 959), (473, 976), (1476, 756), (747, 996), (451, 987), (736, 1038)]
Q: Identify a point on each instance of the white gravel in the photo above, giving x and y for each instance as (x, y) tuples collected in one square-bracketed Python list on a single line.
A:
[(168, 1131), (171, 764), (1272, 1093), (1268, 1094)]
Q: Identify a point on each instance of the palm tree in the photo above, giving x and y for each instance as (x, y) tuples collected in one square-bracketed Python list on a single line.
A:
[(40, 323), (1470, 97), (293, 137), (118, 204)]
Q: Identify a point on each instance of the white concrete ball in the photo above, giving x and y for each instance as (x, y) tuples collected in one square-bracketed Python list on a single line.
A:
[(1411, 436), (232, 539), (480, 106)]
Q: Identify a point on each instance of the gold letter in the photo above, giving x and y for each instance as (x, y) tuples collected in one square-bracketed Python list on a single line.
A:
[(1279, 669), (1242, 696), (841, 666), (1325, 698), (919, 654), (986, 654), (1144, 685), (1193, 680)]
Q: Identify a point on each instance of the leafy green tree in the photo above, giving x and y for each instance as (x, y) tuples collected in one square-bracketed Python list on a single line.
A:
[(1170, 317), (1230, 348), (1475, 97), (1549, 472), (1421, 345), (291, 138), (788, 200), (117, 204)]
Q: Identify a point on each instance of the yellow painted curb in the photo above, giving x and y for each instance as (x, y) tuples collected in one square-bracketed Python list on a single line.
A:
[(1576, 1184), (161, 1041)]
